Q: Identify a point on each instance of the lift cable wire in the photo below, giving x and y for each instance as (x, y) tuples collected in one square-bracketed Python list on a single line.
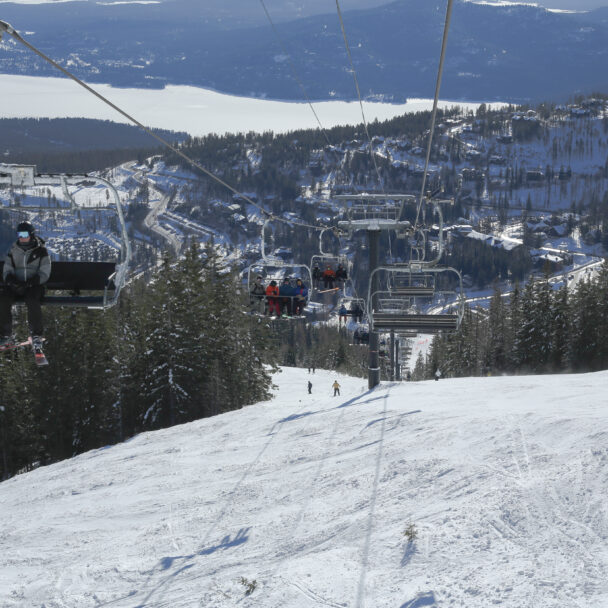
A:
[(354, 73), (444, 43), (5, 27), (371, 148), (294, 71)]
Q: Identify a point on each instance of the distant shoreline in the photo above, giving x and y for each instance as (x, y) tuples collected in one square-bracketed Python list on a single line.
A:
[(194, 110)]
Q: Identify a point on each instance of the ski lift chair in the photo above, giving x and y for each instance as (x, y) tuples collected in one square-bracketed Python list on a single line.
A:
[(275, 268), (382, 319), (412, 285), (324, 258), (76, 280), (93, 285)]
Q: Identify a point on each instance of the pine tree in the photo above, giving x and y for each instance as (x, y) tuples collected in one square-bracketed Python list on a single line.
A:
[(584, 346), (172, 345), (560, 333), (497, 347), (602, 316), (20, 444)]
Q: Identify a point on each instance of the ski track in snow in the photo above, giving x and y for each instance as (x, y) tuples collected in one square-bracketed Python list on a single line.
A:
[(503, 478)]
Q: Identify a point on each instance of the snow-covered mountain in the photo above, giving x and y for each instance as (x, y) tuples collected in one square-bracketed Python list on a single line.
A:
[(305, 501), (505, 51)]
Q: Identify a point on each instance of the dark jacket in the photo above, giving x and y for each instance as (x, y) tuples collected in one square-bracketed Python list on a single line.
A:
[(26, 263), (341, 274), (258, 290), (286, 290), (301, 291)]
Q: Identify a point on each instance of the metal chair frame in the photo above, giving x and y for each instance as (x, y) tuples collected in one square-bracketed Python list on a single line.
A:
[(25, 176), (424, 323)]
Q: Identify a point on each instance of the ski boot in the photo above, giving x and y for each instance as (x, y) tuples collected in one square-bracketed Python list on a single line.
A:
[(37, 343)]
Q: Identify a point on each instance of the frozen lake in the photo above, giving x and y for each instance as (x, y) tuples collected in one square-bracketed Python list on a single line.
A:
[(184, 108)]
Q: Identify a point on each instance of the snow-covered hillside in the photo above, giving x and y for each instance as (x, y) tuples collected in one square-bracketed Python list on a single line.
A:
[(305, 499)]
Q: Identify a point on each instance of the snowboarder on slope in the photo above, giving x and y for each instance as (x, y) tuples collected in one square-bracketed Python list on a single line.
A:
[(27, 267), (309, 387)]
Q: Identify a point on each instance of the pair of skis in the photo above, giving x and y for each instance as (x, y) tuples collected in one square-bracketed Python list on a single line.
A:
[(39, 356)]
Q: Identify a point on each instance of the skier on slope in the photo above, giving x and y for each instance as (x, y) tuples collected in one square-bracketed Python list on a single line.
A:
[(27, 267), (336, 388)]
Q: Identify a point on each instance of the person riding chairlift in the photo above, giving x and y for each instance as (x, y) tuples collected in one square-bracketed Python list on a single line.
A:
[(316, 276), (286, 293), (257, 295), (301, 295), (272, 292), (27, 267), (329, 276), (357, 312)]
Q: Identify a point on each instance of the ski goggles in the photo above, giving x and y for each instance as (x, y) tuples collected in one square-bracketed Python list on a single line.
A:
[(23, 234)]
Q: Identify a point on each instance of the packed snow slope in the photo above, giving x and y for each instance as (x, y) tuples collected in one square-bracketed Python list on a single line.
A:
[(304, 500)]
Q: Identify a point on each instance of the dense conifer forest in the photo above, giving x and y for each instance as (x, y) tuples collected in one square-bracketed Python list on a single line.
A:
[(534, 330), (177, 348), (75, 145)]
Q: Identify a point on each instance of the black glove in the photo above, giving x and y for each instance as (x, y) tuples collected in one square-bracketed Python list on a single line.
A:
[(14, 285), (35, 280), (18, 288)]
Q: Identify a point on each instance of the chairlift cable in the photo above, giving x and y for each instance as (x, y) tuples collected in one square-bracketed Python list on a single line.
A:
[(444, 42), (371, 149), (5, 27), (354, 73), (294, 71)]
